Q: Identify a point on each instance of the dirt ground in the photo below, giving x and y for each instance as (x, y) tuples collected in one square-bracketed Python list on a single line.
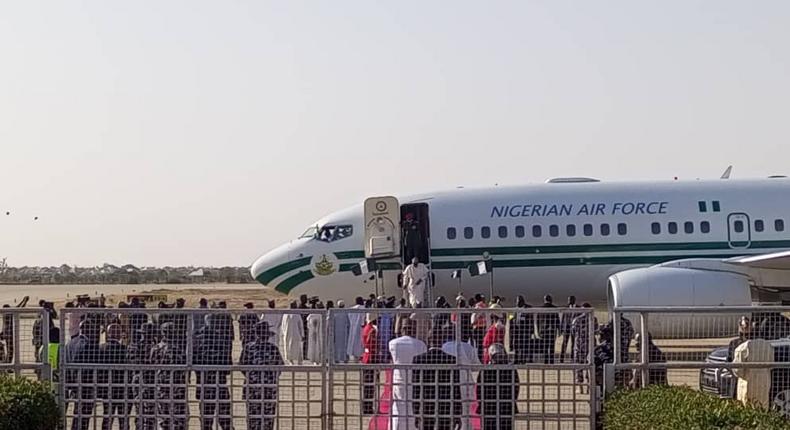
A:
[(235, 297)]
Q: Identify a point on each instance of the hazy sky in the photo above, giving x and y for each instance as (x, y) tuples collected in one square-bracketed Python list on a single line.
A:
[(205, 133)]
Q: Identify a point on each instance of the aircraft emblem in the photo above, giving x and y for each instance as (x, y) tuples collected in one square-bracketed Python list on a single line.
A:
[(324, 267)]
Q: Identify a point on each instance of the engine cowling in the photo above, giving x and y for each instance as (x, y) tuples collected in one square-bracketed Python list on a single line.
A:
[(663, 286)]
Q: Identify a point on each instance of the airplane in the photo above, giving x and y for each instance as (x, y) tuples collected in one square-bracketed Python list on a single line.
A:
[(651, 243)]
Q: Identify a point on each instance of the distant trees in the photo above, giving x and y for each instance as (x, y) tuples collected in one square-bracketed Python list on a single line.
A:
[(126, 274)]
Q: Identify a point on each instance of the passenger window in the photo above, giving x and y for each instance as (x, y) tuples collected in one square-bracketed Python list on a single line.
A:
[(451, 233), (704, 227), (469, 232), (537, 231), (738, 226), (485, 232), (554, 230), (570, 230), (688, 227), (655, 228), (672, 228), (622, 229), (519, 231), (502, 231), (779, 225), (716, 206), (759, 225), (588, 229), (605, 230)]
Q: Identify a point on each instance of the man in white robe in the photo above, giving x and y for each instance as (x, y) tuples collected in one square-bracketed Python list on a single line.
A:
[(315, 336), (339, 325), (415, 276), (356, 320), (275, 320), (754, 384), (292, 335), (465, 354), (403, 350)]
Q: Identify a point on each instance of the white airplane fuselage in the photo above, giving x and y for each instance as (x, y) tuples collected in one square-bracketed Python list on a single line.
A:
[(557, 238)]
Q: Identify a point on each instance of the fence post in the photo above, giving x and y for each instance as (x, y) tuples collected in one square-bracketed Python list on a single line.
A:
[(327, 374), (592, 377), (46, 370), (15, 333), (643, 351), (64, 316), (616, 334)]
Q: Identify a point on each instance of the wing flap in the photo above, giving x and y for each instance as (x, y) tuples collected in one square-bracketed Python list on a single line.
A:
[(776, 261)]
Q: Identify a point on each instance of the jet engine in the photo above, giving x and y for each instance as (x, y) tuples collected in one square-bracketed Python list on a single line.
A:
[(662, 286)]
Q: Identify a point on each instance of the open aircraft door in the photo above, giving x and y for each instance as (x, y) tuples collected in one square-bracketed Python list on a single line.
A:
[(382, 227)]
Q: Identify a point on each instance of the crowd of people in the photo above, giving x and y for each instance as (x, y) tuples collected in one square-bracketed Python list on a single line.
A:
[(376, 331)]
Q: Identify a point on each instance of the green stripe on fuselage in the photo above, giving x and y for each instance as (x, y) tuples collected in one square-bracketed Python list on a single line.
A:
[(584, 249), (345, 255), (290, 283), (578, 261), (347, 267), (293, 281), (269, 275)]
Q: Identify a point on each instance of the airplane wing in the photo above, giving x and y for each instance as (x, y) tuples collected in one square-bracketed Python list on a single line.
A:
[(776, 261)]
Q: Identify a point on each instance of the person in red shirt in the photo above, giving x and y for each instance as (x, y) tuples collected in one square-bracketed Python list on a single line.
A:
[(372, 355), (494, 335), (479, 324)]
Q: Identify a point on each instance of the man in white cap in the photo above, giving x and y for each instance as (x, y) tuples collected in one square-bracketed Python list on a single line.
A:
[(465, 354), (415, 276), (340, 334), (356, 320), (403, 350)]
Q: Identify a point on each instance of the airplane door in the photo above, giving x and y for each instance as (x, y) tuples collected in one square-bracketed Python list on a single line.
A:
[(415, 233), (382, 227), (739, 231)]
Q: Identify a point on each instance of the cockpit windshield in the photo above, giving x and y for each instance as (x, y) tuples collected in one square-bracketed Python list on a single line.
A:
[(309, 233), (331, 233)]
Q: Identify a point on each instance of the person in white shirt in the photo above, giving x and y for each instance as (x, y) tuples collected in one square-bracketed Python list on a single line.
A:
[(274, 320), (403, 350), (465, 354), (292, 335), (754, 384), (415, 276), (356, 320), (315, 336)]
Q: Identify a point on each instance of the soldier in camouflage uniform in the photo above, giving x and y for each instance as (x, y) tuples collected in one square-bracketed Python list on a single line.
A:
[(143, 391), (171, 388), (260, 388)]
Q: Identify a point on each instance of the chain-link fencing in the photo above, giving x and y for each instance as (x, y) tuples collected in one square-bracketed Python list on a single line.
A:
[(383, 368)]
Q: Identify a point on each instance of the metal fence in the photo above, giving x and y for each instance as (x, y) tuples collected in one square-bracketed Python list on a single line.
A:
[(24, 341), (699, 347), (370, 369)]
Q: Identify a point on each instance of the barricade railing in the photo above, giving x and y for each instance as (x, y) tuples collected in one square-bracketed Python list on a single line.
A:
[(183, 368), (544, 391), (186, 368), (24, 342), (699, 347)]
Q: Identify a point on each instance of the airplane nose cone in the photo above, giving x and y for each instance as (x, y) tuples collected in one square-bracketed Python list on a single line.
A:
[(265, 268)]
